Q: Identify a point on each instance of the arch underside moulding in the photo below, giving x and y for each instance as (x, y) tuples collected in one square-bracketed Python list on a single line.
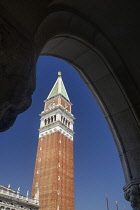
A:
[(71, 38)]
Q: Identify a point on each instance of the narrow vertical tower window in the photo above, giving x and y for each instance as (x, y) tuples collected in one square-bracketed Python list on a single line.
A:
[(55, 149)]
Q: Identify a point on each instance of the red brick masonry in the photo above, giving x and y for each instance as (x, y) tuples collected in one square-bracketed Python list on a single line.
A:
[(54, 173)]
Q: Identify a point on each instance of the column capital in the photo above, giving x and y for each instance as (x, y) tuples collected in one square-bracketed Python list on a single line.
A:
[(132, 193)]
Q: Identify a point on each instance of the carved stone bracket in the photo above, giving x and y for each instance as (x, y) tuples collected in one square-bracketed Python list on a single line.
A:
[(17, 74), (132, 194)]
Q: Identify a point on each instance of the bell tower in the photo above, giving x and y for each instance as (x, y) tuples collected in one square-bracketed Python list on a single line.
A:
[(53, 179)]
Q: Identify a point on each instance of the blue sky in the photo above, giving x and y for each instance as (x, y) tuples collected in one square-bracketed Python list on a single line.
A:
[(97, 166)]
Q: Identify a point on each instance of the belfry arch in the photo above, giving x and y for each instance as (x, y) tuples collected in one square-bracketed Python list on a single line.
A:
[(76, 41)]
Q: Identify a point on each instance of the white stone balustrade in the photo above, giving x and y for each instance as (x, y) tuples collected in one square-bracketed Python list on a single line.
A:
[(11, 200)]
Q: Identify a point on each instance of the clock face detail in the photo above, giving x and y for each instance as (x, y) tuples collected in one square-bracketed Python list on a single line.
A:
[(52, 104)]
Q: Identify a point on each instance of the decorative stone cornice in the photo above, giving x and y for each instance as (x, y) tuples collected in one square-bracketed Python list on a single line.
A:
[(58, 107), (58, 128)]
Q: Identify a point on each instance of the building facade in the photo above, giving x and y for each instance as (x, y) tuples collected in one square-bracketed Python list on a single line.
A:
[(11, 200), (54, 170)]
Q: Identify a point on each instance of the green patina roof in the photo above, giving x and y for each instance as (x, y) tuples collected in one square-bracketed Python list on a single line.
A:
[(54, 91), (58, 88)]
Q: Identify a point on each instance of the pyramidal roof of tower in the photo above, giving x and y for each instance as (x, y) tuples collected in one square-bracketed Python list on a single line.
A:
[(58, 88)]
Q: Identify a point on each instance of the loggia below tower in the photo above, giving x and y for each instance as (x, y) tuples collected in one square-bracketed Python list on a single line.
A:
[(53, 179)]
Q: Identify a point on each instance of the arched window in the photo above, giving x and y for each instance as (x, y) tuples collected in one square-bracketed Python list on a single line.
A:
[(68, 124), (61, 118), (54, 117), (45, 121), (48, 120)]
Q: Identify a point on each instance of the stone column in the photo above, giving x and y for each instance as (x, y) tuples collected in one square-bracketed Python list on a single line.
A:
[(132, 194)]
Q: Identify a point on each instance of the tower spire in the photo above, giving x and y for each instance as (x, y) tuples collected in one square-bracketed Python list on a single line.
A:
[(58, 88)]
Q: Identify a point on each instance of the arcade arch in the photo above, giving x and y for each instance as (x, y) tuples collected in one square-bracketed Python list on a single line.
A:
[(106, 75)]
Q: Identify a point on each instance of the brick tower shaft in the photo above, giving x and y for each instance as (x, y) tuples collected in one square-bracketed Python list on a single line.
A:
[(53, 181)]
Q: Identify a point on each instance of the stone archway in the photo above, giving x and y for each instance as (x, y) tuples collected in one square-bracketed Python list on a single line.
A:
[(102, 69)]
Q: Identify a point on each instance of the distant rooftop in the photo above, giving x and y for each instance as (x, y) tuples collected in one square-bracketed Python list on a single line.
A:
[(11, 199)]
